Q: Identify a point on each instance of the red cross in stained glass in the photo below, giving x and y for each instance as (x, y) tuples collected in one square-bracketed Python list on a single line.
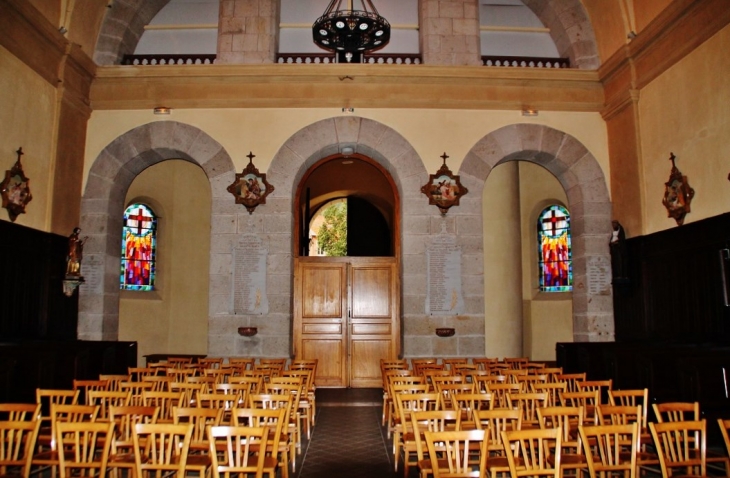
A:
[(139, 218), (552, 222)]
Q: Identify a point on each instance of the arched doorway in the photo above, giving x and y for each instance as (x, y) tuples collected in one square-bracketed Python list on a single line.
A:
[(347, 294)]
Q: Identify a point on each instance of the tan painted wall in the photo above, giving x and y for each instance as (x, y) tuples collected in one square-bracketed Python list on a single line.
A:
[(547, 318), (678, 115), (502, 272), (431, 132), (27, 112), (173, 319)]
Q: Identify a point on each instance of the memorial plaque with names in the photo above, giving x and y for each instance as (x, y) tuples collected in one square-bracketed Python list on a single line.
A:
[(598, 275), (249, 276), (444, 293), (92, 270)]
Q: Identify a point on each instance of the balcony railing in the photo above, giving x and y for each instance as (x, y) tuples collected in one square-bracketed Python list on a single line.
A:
[(525, 62), (329, 58), (173, 59)]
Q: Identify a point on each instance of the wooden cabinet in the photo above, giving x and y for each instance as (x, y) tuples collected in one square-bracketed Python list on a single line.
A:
[(346, 315)]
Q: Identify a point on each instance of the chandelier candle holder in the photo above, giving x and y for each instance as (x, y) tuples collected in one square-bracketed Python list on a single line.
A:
[(349, 32)]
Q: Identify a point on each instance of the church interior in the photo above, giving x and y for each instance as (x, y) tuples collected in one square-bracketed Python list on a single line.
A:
[(227, 122)]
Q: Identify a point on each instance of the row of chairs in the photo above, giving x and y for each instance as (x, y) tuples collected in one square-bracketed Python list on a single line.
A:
[(470, 392), (85, 447)]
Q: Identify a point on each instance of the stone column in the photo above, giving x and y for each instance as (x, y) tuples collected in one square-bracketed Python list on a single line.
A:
[(248, 31), (449, 32), (502, 262)]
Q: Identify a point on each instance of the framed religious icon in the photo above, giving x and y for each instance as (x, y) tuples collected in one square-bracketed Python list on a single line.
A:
[(250, 187), (15, 189), (444, 189), (677, 194)]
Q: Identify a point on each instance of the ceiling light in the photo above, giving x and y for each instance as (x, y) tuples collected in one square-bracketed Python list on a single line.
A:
[(350, 30)]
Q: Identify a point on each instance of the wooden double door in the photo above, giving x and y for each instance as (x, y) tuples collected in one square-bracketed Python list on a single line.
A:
[(346, 315)]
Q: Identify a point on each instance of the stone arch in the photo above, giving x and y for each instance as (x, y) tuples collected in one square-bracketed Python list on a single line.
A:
[(581, 176), (103, 201), (569, 24), (571, 30)]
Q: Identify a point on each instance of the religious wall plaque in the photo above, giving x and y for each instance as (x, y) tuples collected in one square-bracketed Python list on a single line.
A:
[(444, 189), (677, 194), (250, 187), (15, 189), (249, 276), (598, 275), (444, 294)]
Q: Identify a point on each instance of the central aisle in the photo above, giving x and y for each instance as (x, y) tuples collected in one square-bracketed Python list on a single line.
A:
[(347, 442)]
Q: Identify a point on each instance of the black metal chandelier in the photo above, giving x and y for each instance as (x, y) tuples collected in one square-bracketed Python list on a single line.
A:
[(351, 32)]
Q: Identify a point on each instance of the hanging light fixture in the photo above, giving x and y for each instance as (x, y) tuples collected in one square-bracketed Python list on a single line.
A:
[(350, 32)]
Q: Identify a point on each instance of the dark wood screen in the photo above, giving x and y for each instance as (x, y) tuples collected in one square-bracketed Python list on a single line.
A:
[(31, 290)]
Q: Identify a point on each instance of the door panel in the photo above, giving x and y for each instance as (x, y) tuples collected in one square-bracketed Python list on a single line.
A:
[(319, 319), (346, 314), (373, 320)]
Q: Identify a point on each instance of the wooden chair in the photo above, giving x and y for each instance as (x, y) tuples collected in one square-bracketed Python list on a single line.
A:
[(179, 362), (277, 452), (243, 363), (602, 386), (406, 403), (552, 389), (177, 374), (307, 400), (161, 382), (105, 399), (46, 398), (161, 448), (210, 362), (113, 380), (125, 418), (681, 446), (457, 449), (588, 399), (84, 386), (494, 422), (569, 420), (295, 391), (19, 412), (199, 451), (277, 402), (433, 421), (467, 404), (639, 397), (515, 362), (500, 392), (47, 454), (17, 443), (165, 401), (206, 381), (136, 373), (189, 392), (136, 389), (528, 404), (626, 415), (85, 448), (237, 445), (446, 392), (484, 362), (676, 411), (533, 452), (611, 449), (572, 379)]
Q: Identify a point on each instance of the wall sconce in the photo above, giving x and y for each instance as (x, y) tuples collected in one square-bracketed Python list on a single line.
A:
[(162, 110), (530, 112)]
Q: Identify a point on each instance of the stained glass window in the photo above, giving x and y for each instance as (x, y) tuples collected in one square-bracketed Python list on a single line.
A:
[(139, 247), (555, 263)]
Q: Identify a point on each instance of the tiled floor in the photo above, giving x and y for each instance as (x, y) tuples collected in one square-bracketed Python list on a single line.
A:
[(347, 440)]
